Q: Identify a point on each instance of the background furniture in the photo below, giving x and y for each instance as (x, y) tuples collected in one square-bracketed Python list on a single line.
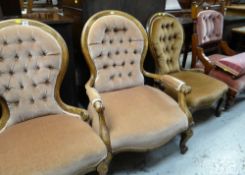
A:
[(209, 48), (138, 117), (45, 135)]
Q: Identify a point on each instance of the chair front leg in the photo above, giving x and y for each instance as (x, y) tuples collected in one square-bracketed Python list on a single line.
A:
[(185, 136)]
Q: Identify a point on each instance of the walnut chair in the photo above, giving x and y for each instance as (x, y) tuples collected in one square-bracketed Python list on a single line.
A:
[(165, 40), (209, 48), (138, 117), (39, 134)]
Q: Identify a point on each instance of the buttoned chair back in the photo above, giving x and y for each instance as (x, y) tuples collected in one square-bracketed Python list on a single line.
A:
[(209, 27), (166, 39), (34, 120), (114, 46), (32, 62)]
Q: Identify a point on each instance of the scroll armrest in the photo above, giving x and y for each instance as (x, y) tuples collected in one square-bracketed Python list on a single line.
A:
[(226, 49), (170, 82), (97, 103), (208, 66)]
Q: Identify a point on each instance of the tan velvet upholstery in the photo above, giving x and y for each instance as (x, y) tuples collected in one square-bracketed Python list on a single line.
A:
[(115, 45), (30, 60), (140, 118), (167, 39), (42, 135), (204, 89), (49, 145)]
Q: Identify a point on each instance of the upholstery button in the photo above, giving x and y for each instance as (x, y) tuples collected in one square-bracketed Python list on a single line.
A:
[(19, 41), (112, 77), (125, 29), (115, 30), (135, 51), (33, 39), (44, 97), (16, 103), (11, 72), (16, 57), (163, 26), (170, 38), (25, 70), (21, 86), (109, 54), (37, 67), (120, 74), (130, 74), (5, 43), (111, 41), (7, 88), (1, 59), (130, 40), (103, 41), (114, 65), (132, 62), (32, 100), (100, 55), (46, 82), (164, 38), (43, 53), (50, 67), (107, 30), (126, 52), (167, 26), (172, 24), (29, 55), (105, 66), (117, 52), (123, 63), (34, 84), (121, 41)]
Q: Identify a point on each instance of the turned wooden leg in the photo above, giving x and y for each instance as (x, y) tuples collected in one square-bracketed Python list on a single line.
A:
[(218, 107), (103, 167), (231, 95), (185, 136)]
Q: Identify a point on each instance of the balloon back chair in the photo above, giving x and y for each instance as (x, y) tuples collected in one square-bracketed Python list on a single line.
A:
[(138, 117), (39, 134), (212, 53), (165, 39)]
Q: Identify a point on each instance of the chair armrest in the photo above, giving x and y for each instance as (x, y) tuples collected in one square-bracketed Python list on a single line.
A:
[(177, 85), (208, 66), (170, 81), (226, 49), (97, 103)]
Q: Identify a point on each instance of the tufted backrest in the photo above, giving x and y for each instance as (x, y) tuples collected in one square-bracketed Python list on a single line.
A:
[(30, 61), (114, 44), (166, 39), (209, 26)]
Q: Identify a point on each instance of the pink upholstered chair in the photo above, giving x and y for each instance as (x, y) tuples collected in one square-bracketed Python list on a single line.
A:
[(39, 134), (138, 117), (208, 49)]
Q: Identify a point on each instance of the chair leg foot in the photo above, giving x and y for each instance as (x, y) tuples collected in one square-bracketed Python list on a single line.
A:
[(185, 136), (103, 167), (218, 109), (231, 95)]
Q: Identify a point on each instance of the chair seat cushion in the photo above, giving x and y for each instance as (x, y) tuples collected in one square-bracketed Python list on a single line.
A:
[(237, 84), (213, 58), (50, 145), (140, 118), (235, 65), (205, 90)]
